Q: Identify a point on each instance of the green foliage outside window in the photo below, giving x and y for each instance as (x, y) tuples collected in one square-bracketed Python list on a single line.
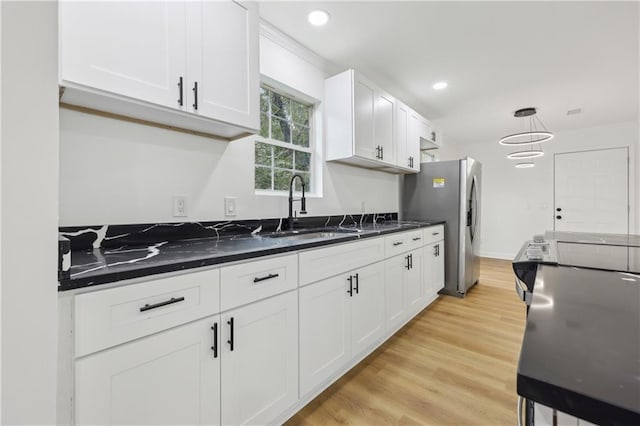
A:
[(282, 121)]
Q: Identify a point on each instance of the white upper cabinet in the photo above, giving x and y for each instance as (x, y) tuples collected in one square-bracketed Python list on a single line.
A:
[(133, 49), (407, 137), (360, 121), (222, 46), (192, 65)]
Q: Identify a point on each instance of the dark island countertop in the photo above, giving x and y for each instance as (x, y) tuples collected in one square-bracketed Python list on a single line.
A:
[(106, 265), (581, 348)]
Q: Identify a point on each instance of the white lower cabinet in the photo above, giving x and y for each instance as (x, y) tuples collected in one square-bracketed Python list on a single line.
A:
[(260, 360), (433, 269), (404, 289), (169, 378), (339, 318)]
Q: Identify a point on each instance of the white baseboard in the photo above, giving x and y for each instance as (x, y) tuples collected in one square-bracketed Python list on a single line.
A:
[(496, 255)]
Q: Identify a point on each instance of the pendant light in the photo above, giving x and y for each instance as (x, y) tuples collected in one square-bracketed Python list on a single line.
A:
[(536, 135)]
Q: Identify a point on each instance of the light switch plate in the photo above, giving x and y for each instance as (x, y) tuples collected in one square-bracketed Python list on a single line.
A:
[(230, 206)]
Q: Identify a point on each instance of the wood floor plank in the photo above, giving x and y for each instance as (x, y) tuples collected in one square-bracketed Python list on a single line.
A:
[(454, 364)]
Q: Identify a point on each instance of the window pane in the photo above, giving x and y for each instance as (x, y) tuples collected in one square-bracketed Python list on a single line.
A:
[(283, 157), (303, 160), (264, 100), (280, 130), (263, 154), (300, 113), (280, 106), (263, 178), (264, 125), (301, 136), (282, 178), (307, 185)]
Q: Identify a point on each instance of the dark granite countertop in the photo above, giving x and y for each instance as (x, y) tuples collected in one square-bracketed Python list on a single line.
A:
[(95, 266), (581, 347)]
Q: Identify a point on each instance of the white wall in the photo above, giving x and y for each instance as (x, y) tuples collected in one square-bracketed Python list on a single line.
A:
[(30, 212), (118, 172), (518, 203)]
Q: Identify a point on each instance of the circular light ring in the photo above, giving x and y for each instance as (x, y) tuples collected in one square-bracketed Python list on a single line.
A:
[(525, 165), (318, 17), (519, 155), (542, 137)]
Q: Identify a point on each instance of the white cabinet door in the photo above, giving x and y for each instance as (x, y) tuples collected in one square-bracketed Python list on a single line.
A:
[(402, 135), (364, 98), (134, 49), (367, 307), (325, 331), (433, 269), (438, 267), (384, 126), (413, 282), (394, 288), (170, 378), (222, 55), (413, 141), (260, 360)]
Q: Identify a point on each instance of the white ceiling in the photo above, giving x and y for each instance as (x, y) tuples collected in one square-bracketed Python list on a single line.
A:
[(496, 56)]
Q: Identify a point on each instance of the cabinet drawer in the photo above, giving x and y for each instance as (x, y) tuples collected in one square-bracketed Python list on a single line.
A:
[(247, 282), (395, 244), (109, 317), (433, 234), (414, 239), (319, 264)]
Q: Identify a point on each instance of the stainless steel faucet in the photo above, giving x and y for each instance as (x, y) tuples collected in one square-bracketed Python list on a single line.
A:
[(303, 200)]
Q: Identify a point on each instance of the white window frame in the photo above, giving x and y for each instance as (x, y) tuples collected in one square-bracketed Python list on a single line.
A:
[(315, 148)]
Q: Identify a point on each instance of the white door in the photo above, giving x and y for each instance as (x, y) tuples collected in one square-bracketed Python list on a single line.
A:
[(363, 111), (259, 360), (402, 135), (325, 331), (394, 288), (169, 378), (384, 127), (367, 307), (134, 49), (438, 267), (222, 55), (413, 282), (592, 191)]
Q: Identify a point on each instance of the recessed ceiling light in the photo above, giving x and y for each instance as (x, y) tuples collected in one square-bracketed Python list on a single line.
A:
[(440, 85), (318, 17)]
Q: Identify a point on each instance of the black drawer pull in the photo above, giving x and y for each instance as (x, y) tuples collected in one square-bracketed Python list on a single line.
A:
[(417, 238), (230, 341), (214, 348), (268, 277), (411, 261), (436, 233), (357, 277), (398, 243), (350, 291), (171, 301), (408, 265)]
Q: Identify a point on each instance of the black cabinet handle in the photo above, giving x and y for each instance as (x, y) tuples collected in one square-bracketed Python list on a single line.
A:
[(417, 238), (558, 217), (230, 341), (435, 250), (214, 348), (558, 209), (357, 283), (195, 95), (438, 250), (411, 261), (350, 291), (171, 301), (268, 277), (398, 243), (436, 233), (407, 265), (382, 152), (180, 99)]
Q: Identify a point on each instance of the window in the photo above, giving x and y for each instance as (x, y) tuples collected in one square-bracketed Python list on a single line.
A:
[(285, 143)]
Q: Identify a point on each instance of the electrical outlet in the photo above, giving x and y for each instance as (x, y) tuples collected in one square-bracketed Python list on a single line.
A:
[(179, 206), (230, 206)]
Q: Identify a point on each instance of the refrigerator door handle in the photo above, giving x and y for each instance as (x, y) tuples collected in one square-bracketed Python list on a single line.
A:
[(472, 214)]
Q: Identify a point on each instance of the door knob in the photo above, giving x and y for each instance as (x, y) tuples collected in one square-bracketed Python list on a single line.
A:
[(558, 209), (558, 217)]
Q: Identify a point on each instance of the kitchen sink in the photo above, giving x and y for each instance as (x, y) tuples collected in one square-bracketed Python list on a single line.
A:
[(312, 235)]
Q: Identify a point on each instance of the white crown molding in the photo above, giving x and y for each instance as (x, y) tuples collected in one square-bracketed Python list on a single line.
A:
[(274, 34)]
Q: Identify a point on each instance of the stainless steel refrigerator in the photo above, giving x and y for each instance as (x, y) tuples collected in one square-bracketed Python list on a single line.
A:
[(450, 190)]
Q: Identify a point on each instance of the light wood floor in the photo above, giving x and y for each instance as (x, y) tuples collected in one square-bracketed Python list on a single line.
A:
[(454, 364)]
